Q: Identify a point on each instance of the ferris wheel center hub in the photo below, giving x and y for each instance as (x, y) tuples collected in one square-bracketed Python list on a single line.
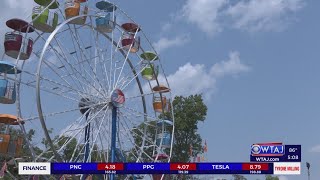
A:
[(84, 105), (117, 98)]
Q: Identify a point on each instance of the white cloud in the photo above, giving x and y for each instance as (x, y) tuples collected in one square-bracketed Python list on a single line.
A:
[(212, 16), (192, 79), (204, 13), (257, 15), (166, 27), (283, 178), (165, 43), (315, 149), (195, 79), (232, 66)]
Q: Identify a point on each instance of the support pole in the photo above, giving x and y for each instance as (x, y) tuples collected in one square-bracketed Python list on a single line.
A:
[(308, 166), (113, 137), (87, 148), (87, 145)]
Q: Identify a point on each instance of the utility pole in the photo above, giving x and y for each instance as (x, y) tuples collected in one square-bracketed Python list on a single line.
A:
[(308, 166)]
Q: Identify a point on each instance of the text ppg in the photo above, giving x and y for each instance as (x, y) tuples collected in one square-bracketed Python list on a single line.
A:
[(148, 167), (75, 166)]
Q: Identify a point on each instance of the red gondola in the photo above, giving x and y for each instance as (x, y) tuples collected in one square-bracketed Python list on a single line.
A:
[(15, 41)]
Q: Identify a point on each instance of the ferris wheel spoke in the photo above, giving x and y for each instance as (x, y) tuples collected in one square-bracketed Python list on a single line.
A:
[(58, 75), (49, 90), (68, 139), (62, 112), (135, 75), (140, 95), (113, 51), (71, 66), (93, 117), (144, 138), (134, 111), (93, 144), (61, 90), (135, 127), (87, 81), (90, 119), (125, 61), (100, 53), (80, 42), (124, 86), (82, 54), (148, 139), (124, 128), (130, 75), (95, 133), (113, 68), (76, 149), (101, 141), (59, 56), (56, 144), (134, 148), (44, 89), (136, 134)]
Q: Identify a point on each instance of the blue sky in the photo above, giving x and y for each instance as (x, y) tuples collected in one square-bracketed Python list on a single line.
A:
[(271, 95), (255, 61)]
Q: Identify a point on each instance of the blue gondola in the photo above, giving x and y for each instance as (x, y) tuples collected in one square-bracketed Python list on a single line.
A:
[(105, 20), (165, 136), (7, 88), (166, 139)]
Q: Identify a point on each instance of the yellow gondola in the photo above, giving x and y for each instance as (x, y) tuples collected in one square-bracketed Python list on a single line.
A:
[(158, 105), (10, 145), (75, 8)]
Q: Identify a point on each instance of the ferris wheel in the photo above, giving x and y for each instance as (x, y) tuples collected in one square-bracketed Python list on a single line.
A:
[(99, 88)]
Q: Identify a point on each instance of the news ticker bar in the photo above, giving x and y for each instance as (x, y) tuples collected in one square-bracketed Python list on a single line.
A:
[(278, 168), (275, 153)]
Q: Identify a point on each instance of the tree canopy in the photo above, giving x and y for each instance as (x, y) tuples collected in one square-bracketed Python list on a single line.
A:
[(188, 112), (238, 177), (269, 177)]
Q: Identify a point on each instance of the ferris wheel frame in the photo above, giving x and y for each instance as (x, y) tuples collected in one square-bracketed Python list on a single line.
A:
[(41, 116)]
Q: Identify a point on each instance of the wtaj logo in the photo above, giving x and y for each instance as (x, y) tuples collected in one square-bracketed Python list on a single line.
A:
[(267, 149)]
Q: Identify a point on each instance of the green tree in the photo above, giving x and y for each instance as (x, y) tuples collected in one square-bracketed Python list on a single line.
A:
[(238, 177), (269, 177), (137, 133), (188, 112)]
